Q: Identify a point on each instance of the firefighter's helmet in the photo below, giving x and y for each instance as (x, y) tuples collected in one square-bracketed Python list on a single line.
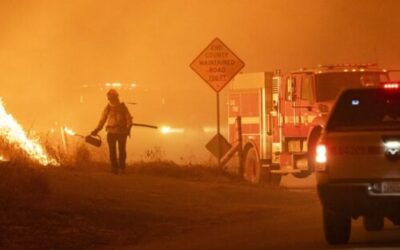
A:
[(112, 92)]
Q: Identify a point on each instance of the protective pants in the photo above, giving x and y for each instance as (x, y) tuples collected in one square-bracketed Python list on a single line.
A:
[(117, 163)]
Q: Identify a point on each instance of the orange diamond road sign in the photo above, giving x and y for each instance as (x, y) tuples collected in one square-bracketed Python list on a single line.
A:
[(217, 65)]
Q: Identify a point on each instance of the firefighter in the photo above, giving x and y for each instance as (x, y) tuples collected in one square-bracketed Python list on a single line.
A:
[(119, 122)]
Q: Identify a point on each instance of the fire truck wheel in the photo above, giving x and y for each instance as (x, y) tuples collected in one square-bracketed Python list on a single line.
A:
[(252, 166)]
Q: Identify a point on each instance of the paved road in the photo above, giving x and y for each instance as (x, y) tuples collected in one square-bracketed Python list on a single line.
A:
[(296, 228), (293, 231), (135, 211)]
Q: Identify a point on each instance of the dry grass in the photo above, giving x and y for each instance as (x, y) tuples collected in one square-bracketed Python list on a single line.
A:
[(78, 206), (190, 172), (74, 216), (153, 164), (22, 187), (24, 192), (82, 207), (89, 210)]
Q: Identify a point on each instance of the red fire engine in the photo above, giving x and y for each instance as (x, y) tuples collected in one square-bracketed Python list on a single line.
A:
[(282, 115)]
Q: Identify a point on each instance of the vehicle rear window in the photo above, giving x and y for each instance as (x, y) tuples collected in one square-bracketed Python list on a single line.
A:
[(366, 109)]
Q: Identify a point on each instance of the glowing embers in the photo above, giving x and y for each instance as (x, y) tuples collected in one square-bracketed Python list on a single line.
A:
[(12, 134), (3, 158), (69, 131)]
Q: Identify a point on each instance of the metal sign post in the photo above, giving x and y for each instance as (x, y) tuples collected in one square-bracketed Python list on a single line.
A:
[(218, 131), (217, 65)]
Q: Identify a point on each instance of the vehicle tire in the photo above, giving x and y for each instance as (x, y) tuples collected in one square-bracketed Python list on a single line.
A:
[(337, 227), (373, 223), (252, 165)]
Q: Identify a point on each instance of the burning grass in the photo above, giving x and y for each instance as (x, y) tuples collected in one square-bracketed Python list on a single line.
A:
[(14, 140)]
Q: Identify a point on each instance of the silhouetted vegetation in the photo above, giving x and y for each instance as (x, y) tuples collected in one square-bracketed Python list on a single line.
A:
[(22, 187)]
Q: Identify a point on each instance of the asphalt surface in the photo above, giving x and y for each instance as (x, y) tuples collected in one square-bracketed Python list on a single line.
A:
[(165, 210), (294, 228)]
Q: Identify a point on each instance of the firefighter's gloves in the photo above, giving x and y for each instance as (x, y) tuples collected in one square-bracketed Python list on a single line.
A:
[(94, 132)]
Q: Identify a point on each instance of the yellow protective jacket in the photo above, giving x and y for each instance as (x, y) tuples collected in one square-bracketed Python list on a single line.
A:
[(118, 119)]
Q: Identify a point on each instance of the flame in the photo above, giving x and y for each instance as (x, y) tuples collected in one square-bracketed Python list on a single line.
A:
[(12, 133), (69, 131)]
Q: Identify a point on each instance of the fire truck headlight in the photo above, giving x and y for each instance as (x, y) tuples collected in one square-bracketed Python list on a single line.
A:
[(321, 158)]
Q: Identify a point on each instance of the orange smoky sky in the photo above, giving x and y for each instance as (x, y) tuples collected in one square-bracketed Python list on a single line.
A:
[(50, 49)]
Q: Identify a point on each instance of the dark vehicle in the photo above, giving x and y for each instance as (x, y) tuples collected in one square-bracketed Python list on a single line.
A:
[(358, 161)]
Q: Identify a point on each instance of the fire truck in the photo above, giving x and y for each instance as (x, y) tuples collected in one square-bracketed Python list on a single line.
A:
[(282, 115)]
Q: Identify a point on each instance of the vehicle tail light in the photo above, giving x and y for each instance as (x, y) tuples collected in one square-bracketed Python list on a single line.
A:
[(321, 157), (321, 154)]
